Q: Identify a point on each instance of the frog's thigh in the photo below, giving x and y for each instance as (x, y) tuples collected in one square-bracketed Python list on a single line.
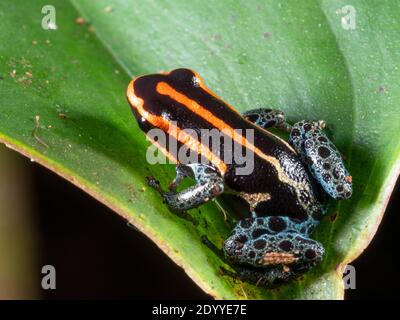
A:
[(267, 118), (267, 242), (209, 184)]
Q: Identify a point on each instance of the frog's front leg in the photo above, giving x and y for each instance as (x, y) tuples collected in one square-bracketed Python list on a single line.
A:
[(322, 158), (209, 184), (267, 118)]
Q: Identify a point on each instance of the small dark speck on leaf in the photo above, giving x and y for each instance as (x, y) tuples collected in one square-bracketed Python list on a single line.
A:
[(216, 37), (1, 77), (382, 89), (266, 35), (228, 46), (333, 217)]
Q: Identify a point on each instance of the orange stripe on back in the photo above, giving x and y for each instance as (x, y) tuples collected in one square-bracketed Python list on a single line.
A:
[(165, 89)]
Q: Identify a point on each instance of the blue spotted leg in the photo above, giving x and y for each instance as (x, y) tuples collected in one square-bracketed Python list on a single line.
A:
[(261, 255), (322, 158), (316, 150)]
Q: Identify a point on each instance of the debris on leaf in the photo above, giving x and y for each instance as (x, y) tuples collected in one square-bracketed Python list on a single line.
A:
[(34, 132), (108, 9), (80, 21)]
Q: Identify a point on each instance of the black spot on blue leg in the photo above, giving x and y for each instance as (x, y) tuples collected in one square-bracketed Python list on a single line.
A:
[(276, 224), (310, 254), (326, 166), (286, 245), (260, 244), (258, 232), (295, 133), (324, 152), (246, 223)]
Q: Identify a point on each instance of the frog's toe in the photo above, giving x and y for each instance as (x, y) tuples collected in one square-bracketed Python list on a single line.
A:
[(344, 190)]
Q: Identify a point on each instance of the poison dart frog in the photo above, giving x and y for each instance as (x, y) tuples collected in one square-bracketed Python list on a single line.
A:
[(284, 191)]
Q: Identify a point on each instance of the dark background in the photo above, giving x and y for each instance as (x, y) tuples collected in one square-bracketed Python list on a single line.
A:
[(97, 255)]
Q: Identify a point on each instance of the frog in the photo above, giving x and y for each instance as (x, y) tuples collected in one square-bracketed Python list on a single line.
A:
[(286, 192)]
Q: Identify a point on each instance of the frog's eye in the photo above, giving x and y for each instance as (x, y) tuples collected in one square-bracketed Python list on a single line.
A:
[(184, 77), (166, 115)]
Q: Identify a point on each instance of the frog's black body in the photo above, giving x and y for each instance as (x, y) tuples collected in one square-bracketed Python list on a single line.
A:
[(283, 196)]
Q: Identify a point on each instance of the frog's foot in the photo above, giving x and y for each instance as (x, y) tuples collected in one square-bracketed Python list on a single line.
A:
[(209, 184), (268, 277), (322, 158), (272, 256), (267, 118)]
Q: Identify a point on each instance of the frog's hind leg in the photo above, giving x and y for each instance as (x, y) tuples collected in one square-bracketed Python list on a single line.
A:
[(270, 250), (209, 184), (262, 256), (267, 118), (270, 277), (272, 240)]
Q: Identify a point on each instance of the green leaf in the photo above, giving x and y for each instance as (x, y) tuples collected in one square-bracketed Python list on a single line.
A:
[(65, 89)]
